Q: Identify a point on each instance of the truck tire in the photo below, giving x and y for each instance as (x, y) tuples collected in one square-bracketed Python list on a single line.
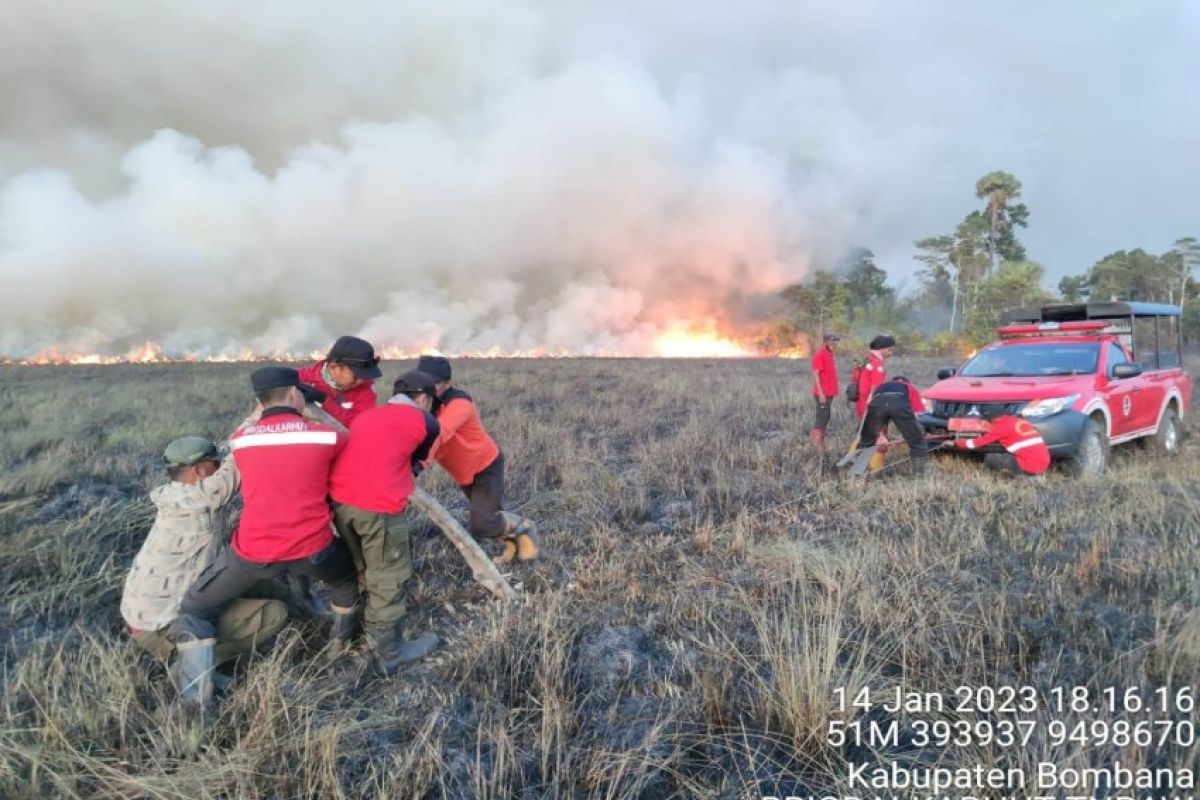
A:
[(1166, 438), (1092, 455)]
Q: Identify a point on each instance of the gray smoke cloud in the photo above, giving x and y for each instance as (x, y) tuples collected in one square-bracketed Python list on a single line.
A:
[(577, 177)]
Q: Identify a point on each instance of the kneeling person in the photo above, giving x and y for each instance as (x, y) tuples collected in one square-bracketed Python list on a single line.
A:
[(370, 485), (896, 401), (1026, 451), (285, 528), (465, 450), (188, 531)]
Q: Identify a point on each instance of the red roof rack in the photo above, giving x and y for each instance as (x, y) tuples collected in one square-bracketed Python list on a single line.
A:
[(1082, 328)]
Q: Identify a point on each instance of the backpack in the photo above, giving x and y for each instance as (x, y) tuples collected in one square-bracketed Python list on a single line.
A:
[(852, 385)]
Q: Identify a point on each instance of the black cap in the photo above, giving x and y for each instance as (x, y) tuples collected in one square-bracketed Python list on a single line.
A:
[(831, 337), (414, 382), (357, 354), (901, 379), (268, 378), (436, 367), (881, 342)]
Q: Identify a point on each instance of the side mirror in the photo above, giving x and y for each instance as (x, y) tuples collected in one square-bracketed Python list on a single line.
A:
[(946, 372), (1127, 370)]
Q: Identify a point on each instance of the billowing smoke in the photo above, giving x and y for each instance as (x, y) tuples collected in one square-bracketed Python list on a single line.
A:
[(225, 177)]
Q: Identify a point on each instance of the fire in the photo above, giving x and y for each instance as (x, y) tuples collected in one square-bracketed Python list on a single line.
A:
[(682, 339), (690, 341)]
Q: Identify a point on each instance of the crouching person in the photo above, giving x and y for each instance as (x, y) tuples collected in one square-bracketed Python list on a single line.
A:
[(285, 528), (188, 531), (473, 460), (896, 401), (1025, 450), (370, 486)]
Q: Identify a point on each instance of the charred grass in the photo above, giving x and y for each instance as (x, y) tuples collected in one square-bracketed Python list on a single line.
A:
[(706, 587)]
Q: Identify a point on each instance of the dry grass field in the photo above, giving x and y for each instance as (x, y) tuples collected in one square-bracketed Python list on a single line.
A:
[(706, 588)]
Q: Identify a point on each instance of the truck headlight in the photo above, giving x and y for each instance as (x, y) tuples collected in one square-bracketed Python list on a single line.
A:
[(1051, 405), (928, 404)]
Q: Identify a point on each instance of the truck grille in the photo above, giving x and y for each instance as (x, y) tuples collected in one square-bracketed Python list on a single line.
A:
[(957, 408)]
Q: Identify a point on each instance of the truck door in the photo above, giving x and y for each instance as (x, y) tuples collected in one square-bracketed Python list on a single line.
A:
[(1119, 393), (1156, 374)]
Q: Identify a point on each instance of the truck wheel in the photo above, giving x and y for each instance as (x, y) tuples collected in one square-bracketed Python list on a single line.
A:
[(1166, 438), (1092, 455)]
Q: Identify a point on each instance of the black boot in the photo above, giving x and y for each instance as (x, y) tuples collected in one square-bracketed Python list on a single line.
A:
[(391, 651), (302, 601)]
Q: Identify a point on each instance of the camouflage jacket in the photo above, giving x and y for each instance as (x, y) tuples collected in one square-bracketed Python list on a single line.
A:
[(190, 528)]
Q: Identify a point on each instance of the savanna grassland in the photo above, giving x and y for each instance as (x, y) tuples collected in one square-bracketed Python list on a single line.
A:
[(706, 587)]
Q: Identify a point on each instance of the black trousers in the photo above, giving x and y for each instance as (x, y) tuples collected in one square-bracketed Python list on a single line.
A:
[(895, 409), (486, 496), (230, 576), (1003, 462), (821, 417)]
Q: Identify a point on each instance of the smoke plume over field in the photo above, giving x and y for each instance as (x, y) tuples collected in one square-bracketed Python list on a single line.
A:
[(517, 177)]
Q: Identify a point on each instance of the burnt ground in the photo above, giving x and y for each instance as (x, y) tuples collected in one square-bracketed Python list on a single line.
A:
[(707, 585)]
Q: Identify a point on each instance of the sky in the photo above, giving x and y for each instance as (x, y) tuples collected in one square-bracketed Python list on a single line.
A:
[(551, 176)]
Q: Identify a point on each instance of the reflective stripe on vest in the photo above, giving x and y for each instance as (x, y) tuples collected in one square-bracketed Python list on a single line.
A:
[(274, 439)]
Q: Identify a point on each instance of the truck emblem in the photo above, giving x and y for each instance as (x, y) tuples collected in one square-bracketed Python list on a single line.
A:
[(973, 411)]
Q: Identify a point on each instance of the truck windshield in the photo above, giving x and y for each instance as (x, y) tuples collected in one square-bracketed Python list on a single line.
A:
[(1033, 360)]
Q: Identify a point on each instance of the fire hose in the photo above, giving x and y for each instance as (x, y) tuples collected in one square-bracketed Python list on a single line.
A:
[(482, 568)]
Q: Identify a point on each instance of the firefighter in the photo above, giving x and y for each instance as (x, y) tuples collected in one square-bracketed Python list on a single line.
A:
[(346, 376), (1025, 450), (871, 377), (370, 486), (895, 401), (285, 463), (473, 460), (191, 515), (873, 373), (825, 387)]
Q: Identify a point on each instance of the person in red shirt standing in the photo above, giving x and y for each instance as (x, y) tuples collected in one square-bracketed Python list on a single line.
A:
[(347, 377), (870, 378), (896, 401), (872, 375), (825, 387), (371, 483), (473, 460), (1026, 451), (285, 463)]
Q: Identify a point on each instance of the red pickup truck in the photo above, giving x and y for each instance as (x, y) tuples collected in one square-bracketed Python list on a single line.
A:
[(1086, 375)]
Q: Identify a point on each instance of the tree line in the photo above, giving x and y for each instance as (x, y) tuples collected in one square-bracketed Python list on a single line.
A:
[(968, 276)]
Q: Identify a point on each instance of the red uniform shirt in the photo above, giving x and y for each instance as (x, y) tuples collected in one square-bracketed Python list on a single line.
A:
[(374, 472), (1018, 437), (824, 373), (342, 406), (463, 447), (285, 461), (870, 379)]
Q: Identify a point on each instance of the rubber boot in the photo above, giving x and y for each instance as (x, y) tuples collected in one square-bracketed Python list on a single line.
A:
[(391, 652), (195, 672), (345, 624), (817, 435), (520, 539), (303, 602)]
